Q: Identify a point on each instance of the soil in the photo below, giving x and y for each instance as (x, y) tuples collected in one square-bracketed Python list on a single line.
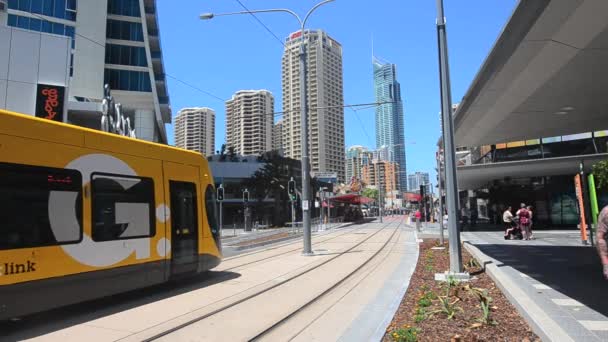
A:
[(263, 239), (506, 325)]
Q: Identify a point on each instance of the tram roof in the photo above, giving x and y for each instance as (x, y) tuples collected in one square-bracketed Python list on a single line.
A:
[(27, 126)]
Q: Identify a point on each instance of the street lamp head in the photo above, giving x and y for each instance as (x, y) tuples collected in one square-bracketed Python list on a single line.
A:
[(206, 16)]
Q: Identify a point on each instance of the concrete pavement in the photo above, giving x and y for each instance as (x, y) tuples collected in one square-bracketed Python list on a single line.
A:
[(368, 302), (555, 282)]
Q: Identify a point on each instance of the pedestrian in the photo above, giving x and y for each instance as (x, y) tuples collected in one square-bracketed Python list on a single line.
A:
[(418, 215), (474, 216), (531, 221), (511, 227), (524, 221), (602, 239)]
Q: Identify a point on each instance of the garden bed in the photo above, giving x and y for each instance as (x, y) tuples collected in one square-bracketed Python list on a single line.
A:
[(453, 311)]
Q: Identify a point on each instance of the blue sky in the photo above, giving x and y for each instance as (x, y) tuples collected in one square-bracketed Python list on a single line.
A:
[(227, 54)]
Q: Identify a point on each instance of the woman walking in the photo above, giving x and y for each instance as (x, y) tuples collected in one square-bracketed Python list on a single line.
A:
[(524, 221), (531, 221)]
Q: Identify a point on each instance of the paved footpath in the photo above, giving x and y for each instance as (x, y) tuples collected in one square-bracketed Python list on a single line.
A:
[(554, 281)]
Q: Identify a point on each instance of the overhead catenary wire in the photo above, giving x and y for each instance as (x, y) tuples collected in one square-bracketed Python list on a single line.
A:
[(210, 94), (291, 52)]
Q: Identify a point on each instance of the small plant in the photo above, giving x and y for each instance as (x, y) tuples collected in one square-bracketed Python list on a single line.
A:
[(485, 314), (446, 307), (472, 263), (484, 301), (405, 334), (424, 302), (452, 281), (419, 314)]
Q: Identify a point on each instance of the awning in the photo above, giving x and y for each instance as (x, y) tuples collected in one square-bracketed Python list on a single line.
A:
[(546, 76), (351, 199), (473, 177), (325, 205)]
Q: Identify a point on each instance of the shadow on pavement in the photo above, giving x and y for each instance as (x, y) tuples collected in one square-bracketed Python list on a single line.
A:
[(47, 322), (573, 271)]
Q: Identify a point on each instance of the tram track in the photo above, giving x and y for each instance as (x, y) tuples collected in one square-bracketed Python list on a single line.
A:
[(278, 281), (332, 288), (278, 254)]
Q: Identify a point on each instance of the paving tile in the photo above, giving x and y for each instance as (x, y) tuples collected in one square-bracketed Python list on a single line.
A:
[(567, 302), (541, 287), (595, 325), (602, 335), (573, 327), (585, 314)]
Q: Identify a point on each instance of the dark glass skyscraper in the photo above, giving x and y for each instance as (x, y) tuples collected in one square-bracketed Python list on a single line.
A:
[(389, 116)]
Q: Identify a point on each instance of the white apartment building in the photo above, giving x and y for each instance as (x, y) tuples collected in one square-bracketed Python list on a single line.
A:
[(325, 101), (277, 136), (249, 122), (195, 130), (113, 42), (356, 158)]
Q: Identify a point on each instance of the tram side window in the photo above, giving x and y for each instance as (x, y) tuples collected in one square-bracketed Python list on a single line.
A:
[(39, 206), (123, 207)]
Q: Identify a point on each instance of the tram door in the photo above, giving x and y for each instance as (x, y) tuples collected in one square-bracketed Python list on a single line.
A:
[(184, 218)]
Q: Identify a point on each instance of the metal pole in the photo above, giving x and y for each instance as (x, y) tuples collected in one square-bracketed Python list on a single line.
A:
[(448, 140), (586, 203), (305, 157), (221, 218), (221, 213), (379, 192), (441, 239), (293, 215)]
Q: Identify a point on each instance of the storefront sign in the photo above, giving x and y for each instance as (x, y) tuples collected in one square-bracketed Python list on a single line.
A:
[(49, 102)]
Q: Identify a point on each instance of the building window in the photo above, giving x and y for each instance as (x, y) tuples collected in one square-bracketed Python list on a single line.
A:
[(62, 9), (39, 206), (122, 207), (128, 80), (124, 7), (126, 55), (125, 30)]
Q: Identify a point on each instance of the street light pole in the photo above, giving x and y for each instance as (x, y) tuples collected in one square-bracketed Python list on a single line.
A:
[(448, 141), (441, 239), (305, 160)]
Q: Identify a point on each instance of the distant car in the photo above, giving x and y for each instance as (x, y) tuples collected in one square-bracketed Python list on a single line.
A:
[(365, 212)]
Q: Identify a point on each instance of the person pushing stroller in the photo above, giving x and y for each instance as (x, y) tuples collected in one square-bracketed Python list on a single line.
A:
[(512, 231)]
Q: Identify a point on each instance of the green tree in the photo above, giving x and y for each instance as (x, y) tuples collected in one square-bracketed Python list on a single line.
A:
[(600, 172), (271, 181), (370, 193)]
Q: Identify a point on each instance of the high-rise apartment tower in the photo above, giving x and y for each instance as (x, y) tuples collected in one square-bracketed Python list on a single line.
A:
[(277, 136), (356, 158), (325, 101), (249, 122), (195, 130)]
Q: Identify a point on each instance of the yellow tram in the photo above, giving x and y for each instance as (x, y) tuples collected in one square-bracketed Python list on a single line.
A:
[(86, 214)]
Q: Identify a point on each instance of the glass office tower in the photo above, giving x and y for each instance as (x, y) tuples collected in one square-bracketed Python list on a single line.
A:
[(389, 116)]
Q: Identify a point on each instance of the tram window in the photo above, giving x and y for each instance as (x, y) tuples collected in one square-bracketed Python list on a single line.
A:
[(39, 206), (122, 207), (211, 208)]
